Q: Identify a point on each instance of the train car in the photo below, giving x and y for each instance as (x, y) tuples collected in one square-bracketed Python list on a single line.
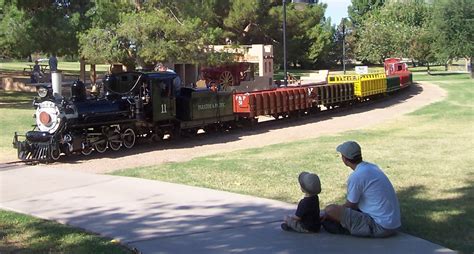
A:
[(148, 105), (203, 109), (279, 102), (364, 86), (394, 67)]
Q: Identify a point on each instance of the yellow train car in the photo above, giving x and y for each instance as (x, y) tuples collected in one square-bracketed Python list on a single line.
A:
[(365, 85)]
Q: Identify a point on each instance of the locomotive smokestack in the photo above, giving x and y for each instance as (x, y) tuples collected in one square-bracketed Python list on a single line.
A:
[(56, 81)]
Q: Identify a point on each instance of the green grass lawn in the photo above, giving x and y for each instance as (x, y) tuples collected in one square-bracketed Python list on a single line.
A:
[(68, 67), (428, 155), (25, 234), (16, 114)]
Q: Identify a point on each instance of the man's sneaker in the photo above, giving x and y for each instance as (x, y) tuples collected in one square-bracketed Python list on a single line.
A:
[(285, 227)]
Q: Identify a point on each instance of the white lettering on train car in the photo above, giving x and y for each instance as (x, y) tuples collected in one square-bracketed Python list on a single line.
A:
[(211, 106)]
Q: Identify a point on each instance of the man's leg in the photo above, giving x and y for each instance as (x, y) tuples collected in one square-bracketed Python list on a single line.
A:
[(361, 224), (332, 222), (334, 212)]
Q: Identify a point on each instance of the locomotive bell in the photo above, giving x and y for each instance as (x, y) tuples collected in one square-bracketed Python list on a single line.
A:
[(95, 89)]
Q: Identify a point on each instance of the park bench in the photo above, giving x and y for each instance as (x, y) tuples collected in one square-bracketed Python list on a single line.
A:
[(28, 70)]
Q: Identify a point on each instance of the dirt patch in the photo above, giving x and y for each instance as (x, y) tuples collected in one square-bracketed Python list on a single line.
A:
[(265, 133)]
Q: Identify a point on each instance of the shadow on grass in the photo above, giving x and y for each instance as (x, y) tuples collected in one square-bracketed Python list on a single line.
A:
[(445, 73), (448, 222), (17, 100)]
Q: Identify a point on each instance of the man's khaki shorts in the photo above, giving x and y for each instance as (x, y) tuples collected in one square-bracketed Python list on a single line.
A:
[(361, 224)]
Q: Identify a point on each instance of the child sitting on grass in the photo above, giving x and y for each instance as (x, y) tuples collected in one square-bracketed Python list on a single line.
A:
[(306, 218)]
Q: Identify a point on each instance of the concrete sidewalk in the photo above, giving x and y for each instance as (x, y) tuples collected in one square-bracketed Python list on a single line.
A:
[(159, 217)]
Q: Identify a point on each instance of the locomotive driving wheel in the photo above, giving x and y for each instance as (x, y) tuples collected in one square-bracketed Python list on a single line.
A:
[(226, 80), (55, 153), (128, 138), (114, 141), (86, 149), (101, 147), (115, 144)]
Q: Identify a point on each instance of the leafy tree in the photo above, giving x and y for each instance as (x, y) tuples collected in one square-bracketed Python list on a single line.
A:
[(454, 29), (210, 12), (379, 38), (147, 37), (359, 8), (146, 31), (52, 24), (251, 21), (308, 34), (105, 13), (421, 47), (14, 27), (103, 45), (320, 42), (392, 31)]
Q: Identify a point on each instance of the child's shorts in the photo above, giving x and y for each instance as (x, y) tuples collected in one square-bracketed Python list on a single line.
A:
[(296, 225)]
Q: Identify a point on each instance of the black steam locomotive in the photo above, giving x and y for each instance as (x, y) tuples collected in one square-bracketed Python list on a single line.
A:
[(132, 104)]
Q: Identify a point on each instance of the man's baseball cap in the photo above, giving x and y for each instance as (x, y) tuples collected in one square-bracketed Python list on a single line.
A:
[(349, 149)]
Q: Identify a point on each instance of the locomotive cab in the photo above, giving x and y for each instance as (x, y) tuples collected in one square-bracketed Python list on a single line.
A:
[(163, 95)]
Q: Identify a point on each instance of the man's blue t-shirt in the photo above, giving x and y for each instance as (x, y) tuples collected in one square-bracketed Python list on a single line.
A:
[(371, 189)]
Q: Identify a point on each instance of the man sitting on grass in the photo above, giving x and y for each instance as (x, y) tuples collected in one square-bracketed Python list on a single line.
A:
[(372, 208)]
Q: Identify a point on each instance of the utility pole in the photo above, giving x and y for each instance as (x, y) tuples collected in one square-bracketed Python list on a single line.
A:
[(344, 45)]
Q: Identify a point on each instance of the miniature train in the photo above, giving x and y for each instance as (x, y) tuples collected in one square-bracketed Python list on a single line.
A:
[(139, 104)]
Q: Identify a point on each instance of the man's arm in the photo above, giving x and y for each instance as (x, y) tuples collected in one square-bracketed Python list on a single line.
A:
[(353, 206), (334, 212)]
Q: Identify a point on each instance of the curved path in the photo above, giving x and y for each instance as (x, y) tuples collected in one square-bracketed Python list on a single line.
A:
[(266, 133)]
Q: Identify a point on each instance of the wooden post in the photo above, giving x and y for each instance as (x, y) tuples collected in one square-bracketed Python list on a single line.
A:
[(93, 74), (82, 74)]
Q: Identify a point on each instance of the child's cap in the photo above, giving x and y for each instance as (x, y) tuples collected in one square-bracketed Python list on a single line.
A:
[(309, 183)]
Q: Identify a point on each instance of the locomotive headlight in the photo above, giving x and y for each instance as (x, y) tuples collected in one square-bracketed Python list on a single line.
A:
[(42, 92)]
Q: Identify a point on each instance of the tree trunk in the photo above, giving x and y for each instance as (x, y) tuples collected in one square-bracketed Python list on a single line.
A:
[(428, 66), (472, 72)]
